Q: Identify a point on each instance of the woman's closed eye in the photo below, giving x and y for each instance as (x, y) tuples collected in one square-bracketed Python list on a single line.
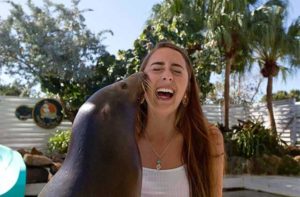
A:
[(177, 71), (157, 69)]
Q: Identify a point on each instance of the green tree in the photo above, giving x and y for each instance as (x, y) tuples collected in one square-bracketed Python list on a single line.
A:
[(272, 42), (227, 31), (14, 89), (182, 22), (52, 45), (280, 95), (295, 94)]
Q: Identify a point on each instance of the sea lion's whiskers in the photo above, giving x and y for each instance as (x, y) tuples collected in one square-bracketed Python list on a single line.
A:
[(146, 87), (145, 84)]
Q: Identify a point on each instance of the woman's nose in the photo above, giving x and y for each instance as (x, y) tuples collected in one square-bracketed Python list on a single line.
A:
[(167, 76)]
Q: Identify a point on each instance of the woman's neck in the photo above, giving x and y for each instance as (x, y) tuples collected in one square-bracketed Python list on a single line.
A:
[(160, 127)]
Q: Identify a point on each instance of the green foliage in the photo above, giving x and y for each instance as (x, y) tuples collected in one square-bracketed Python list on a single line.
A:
[(265, 164), (281, 95), (9, 90), (289, 166), (153, 34), (181, 22), (52, 45), (272, 41), (227, 23), (59, 142), (227, 35), (295, 94), (253, 149), (250, 138), (13, 90)]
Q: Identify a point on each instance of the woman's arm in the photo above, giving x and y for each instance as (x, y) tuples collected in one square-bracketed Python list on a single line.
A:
[(217, 153)]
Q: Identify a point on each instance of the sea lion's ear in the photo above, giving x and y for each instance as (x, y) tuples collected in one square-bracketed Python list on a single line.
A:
[(105, 112)]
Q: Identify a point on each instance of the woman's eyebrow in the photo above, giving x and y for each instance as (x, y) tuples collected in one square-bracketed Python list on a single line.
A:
[(159, 63), (177, 65)]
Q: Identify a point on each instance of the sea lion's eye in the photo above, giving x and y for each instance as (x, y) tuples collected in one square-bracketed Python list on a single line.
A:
[(124, 85)]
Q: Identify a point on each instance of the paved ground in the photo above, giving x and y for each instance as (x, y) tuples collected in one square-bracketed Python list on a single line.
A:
[(279, 185), (248, 193)]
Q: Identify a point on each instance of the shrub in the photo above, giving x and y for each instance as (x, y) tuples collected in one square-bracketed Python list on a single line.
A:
[(59, 142), (236, 165), (230, 145), (292, 150), (252, 148), (253, 139), (289, 166), (265, 164)]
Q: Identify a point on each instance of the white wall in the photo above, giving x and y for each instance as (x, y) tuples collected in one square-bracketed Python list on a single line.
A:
[(26, 134), (286, 112)]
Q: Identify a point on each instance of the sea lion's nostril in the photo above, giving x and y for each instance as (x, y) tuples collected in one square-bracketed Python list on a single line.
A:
[(124, 85)]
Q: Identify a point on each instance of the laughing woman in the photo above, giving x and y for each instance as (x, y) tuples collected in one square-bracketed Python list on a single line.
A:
[(182, 154)]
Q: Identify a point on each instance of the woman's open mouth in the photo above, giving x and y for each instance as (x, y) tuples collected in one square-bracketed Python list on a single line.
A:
[(164, 93)]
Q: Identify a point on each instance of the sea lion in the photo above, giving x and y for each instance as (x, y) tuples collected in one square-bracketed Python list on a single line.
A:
[(103, 157)]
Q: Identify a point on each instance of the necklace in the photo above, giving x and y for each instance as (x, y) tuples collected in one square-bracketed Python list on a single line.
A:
[(162, 154)]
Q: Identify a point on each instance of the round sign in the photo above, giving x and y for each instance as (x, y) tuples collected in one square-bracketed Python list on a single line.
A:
[(23, 112), (47, 113)]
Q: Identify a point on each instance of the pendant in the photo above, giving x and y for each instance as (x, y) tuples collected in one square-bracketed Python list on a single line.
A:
[(158, 164)]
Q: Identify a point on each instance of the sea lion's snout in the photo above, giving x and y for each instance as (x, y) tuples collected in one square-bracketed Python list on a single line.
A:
[(135, 85)]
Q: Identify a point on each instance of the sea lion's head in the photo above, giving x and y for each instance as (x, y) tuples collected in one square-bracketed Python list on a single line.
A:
[(117, 98), (133, 86)]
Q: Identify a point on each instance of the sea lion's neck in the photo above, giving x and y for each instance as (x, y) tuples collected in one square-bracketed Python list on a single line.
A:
[(103, 140)]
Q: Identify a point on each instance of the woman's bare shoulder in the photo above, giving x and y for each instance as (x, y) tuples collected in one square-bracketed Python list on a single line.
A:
[(216, 140)]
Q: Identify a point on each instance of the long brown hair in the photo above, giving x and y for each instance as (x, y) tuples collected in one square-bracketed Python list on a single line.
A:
[(190, 121)]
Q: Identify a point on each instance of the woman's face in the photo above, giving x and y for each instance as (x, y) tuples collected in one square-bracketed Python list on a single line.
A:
[(168, 80)]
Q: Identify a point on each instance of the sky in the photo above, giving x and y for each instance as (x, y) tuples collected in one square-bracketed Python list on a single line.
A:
[(127, 19)]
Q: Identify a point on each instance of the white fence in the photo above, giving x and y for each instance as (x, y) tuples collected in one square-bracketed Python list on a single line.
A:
[(286, 113), (26, 134), (17, 133)]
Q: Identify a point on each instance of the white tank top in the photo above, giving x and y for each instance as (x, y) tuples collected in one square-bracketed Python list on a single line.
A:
[(165, 183)]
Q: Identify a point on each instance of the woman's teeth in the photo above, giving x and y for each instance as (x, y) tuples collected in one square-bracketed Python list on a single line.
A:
[(164, 93)]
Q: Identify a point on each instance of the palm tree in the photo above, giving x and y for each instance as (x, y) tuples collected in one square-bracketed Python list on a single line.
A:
[(183, 22), (227, 23), (272, 43)]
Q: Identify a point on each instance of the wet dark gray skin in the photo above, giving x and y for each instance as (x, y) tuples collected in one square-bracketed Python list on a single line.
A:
[(103, 158)]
